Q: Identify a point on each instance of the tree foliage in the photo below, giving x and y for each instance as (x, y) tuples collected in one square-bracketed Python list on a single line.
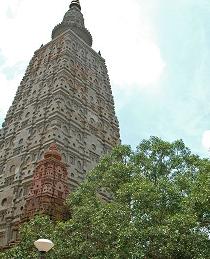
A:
[(158, 206)]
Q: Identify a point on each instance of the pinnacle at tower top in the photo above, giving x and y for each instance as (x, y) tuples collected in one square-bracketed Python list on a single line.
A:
[(64, 98), (73, 20)]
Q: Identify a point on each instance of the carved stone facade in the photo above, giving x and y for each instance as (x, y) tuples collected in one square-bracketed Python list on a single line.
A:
[(49, 188), (65, 98)]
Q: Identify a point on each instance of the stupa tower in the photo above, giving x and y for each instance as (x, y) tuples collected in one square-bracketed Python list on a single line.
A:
[(64, 98)]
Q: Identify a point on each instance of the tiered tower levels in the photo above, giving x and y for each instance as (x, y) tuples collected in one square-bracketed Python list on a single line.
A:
[(65, 98)]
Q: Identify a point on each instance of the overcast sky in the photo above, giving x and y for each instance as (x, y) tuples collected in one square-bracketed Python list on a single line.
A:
[(157, 53)]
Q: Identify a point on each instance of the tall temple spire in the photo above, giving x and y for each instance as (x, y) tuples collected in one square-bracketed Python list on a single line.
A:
[(73, 20), (65, 98), (75, 3)]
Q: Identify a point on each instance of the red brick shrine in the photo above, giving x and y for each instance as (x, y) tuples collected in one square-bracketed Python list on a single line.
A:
[(49, 187)]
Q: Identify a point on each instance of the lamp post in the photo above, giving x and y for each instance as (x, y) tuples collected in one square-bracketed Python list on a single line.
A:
[(43, 245)]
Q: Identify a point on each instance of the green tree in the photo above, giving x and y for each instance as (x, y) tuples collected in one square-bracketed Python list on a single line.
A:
[(39, 227), (151, 203)]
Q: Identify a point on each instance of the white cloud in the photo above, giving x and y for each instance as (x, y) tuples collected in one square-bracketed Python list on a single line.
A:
[(125, 36), (206, 139), (120, 29), (8, 89)]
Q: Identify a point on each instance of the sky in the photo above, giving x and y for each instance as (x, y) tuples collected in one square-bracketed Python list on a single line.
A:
[(157, 53)]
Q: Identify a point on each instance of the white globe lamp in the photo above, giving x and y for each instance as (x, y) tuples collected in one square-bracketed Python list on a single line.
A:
[(43, 245)]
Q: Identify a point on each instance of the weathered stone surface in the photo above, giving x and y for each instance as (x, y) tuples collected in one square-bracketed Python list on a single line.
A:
[(65, 98), (49, 188)]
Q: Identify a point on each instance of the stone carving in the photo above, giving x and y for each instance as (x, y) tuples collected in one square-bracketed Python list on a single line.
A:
[(61, 91), (49, 188)]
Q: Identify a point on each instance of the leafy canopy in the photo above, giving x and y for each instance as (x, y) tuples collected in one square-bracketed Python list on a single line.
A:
[(157, 206)]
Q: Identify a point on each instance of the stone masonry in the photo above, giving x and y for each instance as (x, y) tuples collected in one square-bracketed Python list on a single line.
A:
[(49, 189), (65, 98)]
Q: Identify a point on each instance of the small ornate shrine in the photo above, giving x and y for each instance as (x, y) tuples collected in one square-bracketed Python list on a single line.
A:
[(49, 187)]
